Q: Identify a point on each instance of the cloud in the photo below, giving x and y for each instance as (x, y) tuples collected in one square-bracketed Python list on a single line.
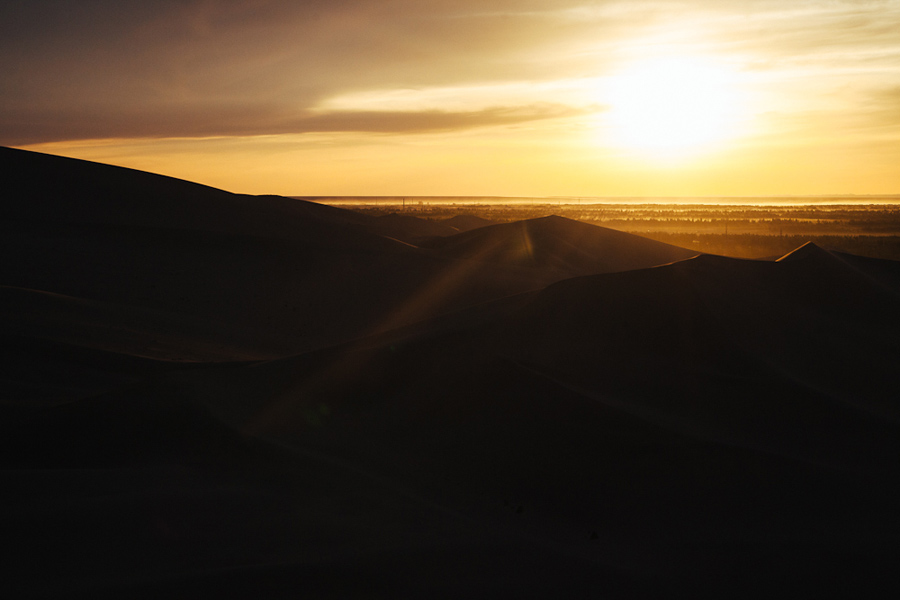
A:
[(96, 68), (434, 120), (24, 129), (237, 48), (193, 68), (812, 32)]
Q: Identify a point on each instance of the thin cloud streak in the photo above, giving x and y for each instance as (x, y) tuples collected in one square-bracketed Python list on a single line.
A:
[(25, 129)]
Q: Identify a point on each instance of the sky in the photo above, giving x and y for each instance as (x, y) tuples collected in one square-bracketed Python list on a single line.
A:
[(465, 97)]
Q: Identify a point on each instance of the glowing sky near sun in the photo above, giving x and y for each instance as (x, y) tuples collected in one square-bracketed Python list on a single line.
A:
[(464, 97)]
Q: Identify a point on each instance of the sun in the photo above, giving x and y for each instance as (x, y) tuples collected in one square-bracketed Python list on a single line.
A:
[(672, 106)]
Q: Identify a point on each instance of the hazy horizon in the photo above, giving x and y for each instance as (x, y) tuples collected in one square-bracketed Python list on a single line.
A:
[(780, 200)]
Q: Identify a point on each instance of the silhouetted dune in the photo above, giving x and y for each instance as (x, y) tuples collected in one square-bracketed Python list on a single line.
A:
[(468, 222), (807, 251), (411, 229), (884, 273), (36, 372), (45, 187), (726, 328), (271, 275), (559, 245), (206, 394), (703, 404), (129, 329), (289, 272)]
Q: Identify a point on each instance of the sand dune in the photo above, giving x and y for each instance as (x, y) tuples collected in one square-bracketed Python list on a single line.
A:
[(411, 229), (291, 273), (699, 401), (128, 329), (58, 189), (879, 272), (206, 394), (464, 223), (559, 245)]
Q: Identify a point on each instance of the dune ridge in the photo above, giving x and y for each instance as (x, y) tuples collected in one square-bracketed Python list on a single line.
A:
[(288, 271)]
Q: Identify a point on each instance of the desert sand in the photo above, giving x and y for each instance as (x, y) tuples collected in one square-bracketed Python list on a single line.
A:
[(207, 394)]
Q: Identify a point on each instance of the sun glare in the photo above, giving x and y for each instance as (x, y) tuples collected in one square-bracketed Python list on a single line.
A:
[(672, 106)]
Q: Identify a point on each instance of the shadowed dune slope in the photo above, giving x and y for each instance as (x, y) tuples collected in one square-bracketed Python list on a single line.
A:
[(702, 425), (132, 330), (713, 426), (411, 229), (468, 222), (727, 350), (57, 348), (290, 294), (880, 272), (203, 401), (276, 275), (559, 245), (45, 187)]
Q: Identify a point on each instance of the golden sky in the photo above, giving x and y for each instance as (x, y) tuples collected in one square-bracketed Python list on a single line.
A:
[(465, 97)]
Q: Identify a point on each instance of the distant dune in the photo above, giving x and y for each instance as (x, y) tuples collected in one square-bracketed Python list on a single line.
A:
[(564, 246), (412, 229), (467, 222), (213, 395)]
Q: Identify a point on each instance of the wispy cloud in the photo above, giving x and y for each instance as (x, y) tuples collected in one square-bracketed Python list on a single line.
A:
[(228, 67), (25, 129)]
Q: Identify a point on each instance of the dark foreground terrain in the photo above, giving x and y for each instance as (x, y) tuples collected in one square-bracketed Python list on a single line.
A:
[(223, 396)]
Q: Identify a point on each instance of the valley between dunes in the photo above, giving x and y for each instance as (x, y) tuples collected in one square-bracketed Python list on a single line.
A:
[(207, 394)]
